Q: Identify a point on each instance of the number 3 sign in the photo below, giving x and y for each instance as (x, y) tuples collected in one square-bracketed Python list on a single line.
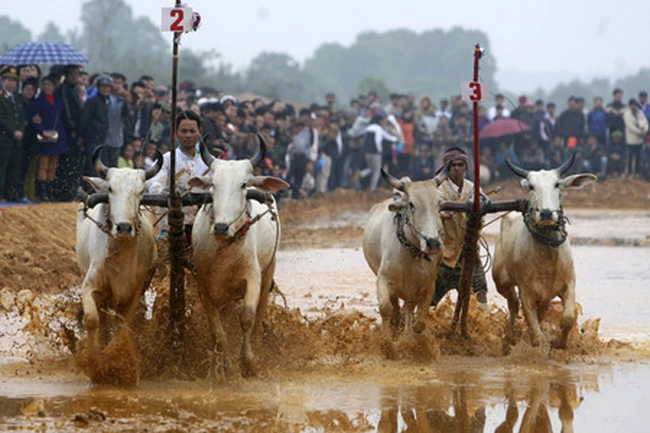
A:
[(176, 19), (473, 91)]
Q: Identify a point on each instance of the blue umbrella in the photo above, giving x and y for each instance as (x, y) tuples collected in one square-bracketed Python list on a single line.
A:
[(40, 53)]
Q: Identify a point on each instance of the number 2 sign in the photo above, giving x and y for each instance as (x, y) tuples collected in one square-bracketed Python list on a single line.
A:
[(176, 19), (473, 91)]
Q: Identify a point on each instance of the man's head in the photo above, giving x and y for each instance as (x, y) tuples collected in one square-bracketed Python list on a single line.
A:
[(104, 85), (617, 137), (118, 83), (572, 102), (189, 127), (9, 78), (539, 105), (530, 107), (618, 95), (643, 97), (550, 107), (72, 74), (598, 102), (29, 71), (330, 97), (456, 159), (499, 99), (634, 105)]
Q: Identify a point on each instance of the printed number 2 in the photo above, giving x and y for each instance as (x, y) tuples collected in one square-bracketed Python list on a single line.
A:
[(176, 25), (476, 95)]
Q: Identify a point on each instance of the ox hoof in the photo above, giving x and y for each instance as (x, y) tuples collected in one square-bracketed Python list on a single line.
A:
[(388, 348), (248, 368), (419, 327), (559, 343)]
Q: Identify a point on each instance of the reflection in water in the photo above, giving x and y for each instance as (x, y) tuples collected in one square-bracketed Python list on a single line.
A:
[(466, 398)]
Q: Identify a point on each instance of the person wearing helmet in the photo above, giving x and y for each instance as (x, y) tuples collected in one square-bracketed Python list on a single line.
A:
[(94, 121)]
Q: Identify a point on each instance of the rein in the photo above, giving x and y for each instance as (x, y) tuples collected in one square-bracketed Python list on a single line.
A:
[(107, 226), (402, 220), (552, 236)]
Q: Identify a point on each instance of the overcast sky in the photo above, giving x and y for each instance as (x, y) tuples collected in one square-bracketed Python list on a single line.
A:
[(574, 37)]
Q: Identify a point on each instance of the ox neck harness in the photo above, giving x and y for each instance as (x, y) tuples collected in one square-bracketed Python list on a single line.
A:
[(401, 219), (552, 236), (243, 230)]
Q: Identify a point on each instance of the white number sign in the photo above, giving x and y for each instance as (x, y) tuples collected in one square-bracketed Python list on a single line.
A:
[(176, 19), (473, 91)]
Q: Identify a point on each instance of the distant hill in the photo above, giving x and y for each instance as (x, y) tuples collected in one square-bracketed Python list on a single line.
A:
[(527, 82)]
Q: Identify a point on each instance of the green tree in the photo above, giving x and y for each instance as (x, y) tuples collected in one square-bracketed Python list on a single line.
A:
[(52, 33), (371, 83), (278, 75), (12, 33), (633, 84)]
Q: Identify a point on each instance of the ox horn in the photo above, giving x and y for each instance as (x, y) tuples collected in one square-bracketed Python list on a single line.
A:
[(155, 168), (206, 156), (566, 165), (517, 170), (98, 164), (393, 181), (261, 151)]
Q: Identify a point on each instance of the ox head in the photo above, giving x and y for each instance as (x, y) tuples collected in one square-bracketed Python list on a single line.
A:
[(418, 201), (546, 187), (125, 188), (228, 182)]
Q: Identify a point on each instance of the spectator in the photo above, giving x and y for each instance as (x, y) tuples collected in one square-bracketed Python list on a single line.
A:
[(405, 156), (444, 110), (643, 104), (616, 155), (375, 146), (423, 164), (558, 153), (126, 157), (499, 101), (442, 139), (636, 128), (533, 157), (53, 140), (71, 164), (505, 151), (615, 113), (29, 163), (571, 125), (12, 128), (597, 121), (595, 160), (308, 184), (95, 121)]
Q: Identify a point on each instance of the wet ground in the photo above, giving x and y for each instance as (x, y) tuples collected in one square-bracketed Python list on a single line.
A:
[(604, 389)]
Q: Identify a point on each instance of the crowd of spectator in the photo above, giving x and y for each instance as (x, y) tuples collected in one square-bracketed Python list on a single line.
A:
[(51, 124)]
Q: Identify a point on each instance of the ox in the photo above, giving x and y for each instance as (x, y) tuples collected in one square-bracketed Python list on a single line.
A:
[(401, 243), (116, 248), (533, 252), (234, 241)]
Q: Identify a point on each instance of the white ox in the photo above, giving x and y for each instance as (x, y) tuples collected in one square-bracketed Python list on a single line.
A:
[(116, 248), (533, 252), (233, 258), (406, 269)]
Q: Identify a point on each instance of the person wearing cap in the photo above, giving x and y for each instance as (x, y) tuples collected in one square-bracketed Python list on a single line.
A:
[(95, 121), (456, 188), (636, 128), (12, 128)]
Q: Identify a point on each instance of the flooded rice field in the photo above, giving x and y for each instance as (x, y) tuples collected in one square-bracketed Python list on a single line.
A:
[(322, 368)]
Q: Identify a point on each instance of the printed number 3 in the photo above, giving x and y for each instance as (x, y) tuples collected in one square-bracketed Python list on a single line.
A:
[(476, 95), (176, 25)]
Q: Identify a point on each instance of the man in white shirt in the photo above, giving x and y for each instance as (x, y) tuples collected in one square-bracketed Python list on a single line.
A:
[(189, 164), (499, 99)]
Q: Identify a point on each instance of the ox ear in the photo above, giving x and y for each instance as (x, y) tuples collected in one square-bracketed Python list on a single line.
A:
[(98, 184), (200, 182), (578, 181), (525, 184), (268, 183), (398, 205)]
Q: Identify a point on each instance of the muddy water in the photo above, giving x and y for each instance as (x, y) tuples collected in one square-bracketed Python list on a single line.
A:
[(603, 390)]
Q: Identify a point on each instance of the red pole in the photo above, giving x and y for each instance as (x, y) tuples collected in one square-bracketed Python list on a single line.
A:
[(477, 164)]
